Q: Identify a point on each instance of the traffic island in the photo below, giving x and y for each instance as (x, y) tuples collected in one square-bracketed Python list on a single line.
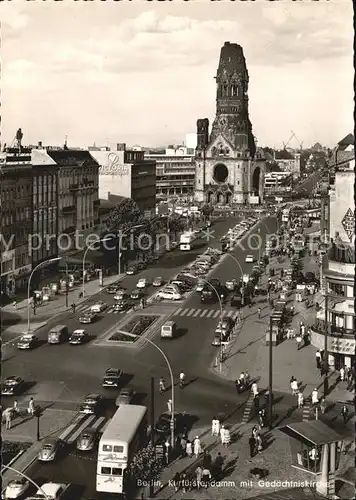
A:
[(12, 450), (137, 326)]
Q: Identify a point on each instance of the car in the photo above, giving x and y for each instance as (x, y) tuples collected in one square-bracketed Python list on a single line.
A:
[(121, 295), (87, 318), (12, 385), (91, 404), (112, 377), (169, 295), (49, 449), (98, 307), (158, 281), (122, 305), (200, 286), (87, 439), (231, 284), (220, 339), (249, 259), (142, 283), (50, 491), (112, 289), (16, 488), (78, 337), (226, 325), (136, 294), (131, 270), (27, 341), (125, 397)]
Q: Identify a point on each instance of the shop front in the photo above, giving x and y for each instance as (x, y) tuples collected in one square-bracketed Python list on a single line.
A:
[(22, 276)]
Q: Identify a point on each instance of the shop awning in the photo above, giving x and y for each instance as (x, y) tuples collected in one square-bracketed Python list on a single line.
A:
[(316, 432)]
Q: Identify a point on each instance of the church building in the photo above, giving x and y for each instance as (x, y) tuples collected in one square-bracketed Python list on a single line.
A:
[(229, 168)]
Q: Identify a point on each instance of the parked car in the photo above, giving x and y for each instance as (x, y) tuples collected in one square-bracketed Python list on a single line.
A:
[(91, 404), (49, 449), (87, 439), (98, 307), (16, 489), (12, 385), (136, 294), (131, 270), (88, 317), (112, 377), (142, 283), (78, 337), (125, 397), (28, 341), (158, 281), (249, 259)]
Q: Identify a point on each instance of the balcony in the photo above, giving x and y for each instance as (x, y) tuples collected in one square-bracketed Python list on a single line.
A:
[(73, 187), (71, 209), (333, 330)]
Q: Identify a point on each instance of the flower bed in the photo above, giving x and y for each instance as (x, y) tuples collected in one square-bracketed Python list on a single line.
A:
[(10, 449), (137, 325)]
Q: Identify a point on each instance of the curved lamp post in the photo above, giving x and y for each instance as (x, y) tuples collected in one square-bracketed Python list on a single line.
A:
[(132, 335), (121, 235), (90, 247), (41, 264), (22, 474)]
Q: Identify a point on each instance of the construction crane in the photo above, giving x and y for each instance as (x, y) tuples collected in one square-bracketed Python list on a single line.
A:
[(293, 136)]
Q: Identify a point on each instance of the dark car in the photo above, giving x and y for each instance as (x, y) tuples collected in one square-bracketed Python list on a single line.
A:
[(122, 305), (28, 341), (91, 404), (112, 289), (112, 377), (225, 326), (12, 385), (88, 317), (78, 337), (136, 294)]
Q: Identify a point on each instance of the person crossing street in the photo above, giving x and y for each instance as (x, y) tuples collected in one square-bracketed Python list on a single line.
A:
[(162, 386), (181, 380)]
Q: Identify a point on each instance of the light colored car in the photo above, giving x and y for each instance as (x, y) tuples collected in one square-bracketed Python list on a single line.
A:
[(125, 397), (231, 284), (91, 404), (158, 281), (131, 270), (50, 491), (16, 489), (78, 337), (49, 449), (121, 294), (27, 341), (87, 318), (249, 259), (98, 307), (142, 283), (87, 439), (200, 286), (169, 295)]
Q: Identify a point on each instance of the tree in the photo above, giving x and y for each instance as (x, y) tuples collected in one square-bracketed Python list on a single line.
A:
[(123, 216)]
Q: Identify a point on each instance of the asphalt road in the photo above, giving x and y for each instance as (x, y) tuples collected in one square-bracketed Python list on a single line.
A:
[(64, 374)]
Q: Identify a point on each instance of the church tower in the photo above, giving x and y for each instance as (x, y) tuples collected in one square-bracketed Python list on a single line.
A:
[(228, 168)]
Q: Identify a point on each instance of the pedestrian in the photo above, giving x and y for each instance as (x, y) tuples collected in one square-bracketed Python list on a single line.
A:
[(215, 427), (259, 443), (259, 312), (254, 390), (183, 446), (207, 460), (252, 445), (300, 400), (315, 397), (189, 449), (199, 476), (299, 341), (225, 436), (344, 413), (247, 379), (31, 407), (206, 477), (176, 481), (318, 359), (14, 305), (15, 407), (143, 303), (342, 374), (167, 447), (294, 387), (256, 402), (322, 405), (169, 404), (218, 464), (197, 446), (8, 417)]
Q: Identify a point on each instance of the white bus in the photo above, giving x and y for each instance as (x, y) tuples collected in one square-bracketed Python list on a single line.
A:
[(124, 435), (189, 240)]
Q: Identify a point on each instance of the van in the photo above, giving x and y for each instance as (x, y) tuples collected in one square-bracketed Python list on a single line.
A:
[(58, 334), (169, 330)]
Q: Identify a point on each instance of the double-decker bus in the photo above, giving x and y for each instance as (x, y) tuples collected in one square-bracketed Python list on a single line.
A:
[(123, 436), (190, 240)]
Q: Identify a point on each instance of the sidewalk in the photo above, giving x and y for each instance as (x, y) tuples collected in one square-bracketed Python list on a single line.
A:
[(54, 307)]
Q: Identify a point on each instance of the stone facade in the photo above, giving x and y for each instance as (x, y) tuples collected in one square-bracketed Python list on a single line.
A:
[(229, 167)]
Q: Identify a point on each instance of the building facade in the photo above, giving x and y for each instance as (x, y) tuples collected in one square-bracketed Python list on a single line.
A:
[(229, 168), (290, 165), (78, 200), (337, 317), (45, 207), (127, 173), (175, 173), (16, 217)]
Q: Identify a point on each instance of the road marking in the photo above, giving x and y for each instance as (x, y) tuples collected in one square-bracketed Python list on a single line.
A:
[(84, 424), (98, 423), (191, 312), (229, 314), (183, 313), (217, 313), (204, 313), (247, 410), (71, 427), (210, 313), (178, 311), (306, 411), (198, 311)]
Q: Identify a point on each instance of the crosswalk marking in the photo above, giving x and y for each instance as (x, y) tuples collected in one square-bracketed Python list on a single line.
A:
[(197, 312), (178, 311), (210, 313), (85, 424), (248, 410), (217, 313), (184, 312), (191, 312), (98, 423), (204, 313)]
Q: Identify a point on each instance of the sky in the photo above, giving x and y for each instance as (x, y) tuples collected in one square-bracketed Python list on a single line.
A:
[(142, 72)]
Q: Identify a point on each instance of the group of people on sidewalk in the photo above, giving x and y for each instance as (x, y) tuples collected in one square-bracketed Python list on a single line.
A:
[(13, 411), (200, 477)]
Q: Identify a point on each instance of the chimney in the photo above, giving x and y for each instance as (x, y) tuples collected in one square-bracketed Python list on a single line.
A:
[(120, 146), (39, 145)]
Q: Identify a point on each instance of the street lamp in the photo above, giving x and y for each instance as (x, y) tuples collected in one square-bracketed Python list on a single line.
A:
[(90, 247), (41, 264), (120, 240), (22, 474), (221, 316), (132, 335)]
